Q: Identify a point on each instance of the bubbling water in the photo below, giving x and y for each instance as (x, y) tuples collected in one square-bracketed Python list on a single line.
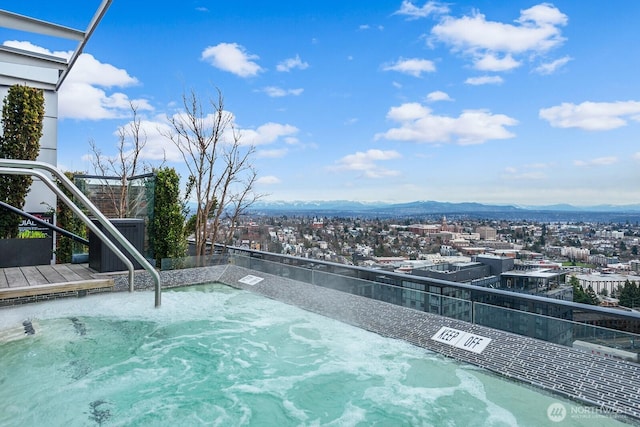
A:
[(213, 355)]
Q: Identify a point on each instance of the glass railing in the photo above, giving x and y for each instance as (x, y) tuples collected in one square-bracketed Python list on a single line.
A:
[(611, 342), (314, 274), (563, 331)]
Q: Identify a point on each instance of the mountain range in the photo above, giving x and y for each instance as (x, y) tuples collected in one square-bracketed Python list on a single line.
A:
[(558, 212)]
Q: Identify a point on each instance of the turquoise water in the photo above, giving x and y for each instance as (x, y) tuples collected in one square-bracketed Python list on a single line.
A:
[(217, 356)]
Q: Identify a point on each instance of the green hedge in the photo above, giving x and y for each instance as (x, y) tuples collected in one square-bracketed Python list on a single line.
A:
[(22, 116), (166, 235)]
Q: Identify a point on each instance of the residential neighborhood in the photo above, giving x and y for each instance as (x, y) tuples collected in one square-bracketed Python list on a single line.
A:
[(602, 258)]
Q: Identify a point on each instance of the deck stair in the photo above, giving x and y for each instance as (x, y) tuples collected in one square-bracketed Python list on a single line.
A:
[(44, 282)]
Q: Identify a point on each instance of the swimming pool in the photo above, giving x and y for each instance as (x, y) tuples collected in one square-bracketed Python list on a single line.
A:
[(214, 355)]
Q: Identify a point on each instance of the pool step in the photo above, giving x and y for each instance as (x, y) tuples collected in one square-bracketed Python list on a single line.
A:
[(36, 292)]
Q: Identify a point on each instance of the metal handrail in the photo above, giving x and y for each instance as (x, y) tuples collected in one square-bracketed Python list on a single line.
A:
[(26, 167), (45, 179), (46, 224)]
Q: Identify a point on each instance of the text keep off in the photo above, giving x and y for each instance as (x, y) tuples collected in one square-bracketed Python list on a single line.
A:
[(461, 339)]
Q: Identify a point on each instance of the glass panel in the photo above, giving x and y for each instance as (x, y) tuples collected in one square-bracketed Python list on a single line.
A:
[(551, 320), (565, 332)]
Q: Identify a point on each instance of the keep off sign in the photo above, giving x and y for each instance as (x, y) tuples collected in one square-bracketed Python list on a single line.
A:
[(461, 339)]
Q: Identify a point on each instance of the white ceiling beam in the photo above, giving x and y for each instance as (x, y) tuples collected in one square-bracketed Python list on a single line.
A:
[(102, 9), (32, 25), (24, 23)]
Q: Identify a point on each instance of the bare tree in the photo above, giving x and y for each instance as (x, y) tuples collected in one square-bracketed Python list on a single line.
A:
[(238, 202), (221, 175), (131, 140)]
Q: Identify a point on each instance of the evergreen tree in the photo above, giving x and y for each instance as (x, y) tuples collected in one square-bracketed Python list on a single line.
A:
[(166, 229), (629, 295), (579, 294), (22, 117), (593, 298)]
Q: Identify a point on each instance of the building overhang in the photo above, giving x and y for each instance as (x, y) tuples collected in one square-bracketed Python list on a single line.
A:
[(19, 64)]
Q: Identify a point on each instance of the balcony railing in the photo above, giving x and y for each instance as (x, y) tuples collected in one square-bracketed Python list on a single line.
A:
[(538, 317)]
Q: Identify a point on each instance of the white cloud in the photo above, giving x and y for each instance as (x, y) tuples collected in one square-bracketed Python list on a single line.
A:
[(408, 111), (277, 92), (365, 27), (542, 14), (267, 133), (414, 66), (85, 94), (24, 45), (552, 67), (291, 140), (233, 58), (600, 161), (272, 154), (438, 95), (592, 115), (206, 122), (291, 63), (484, 80), (414, 12), (159, 146), (531, 172), (419, 124), (268, 180), (490, 62), (365, 162), (535, 32)]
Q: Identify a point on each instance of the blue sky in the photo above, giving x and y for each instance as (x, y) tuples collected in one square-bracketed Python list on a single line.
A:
[(513, 102)]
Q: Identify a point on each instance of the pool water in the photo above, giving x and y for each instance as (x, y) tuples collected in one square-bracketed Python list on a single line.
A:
[(213, 355)]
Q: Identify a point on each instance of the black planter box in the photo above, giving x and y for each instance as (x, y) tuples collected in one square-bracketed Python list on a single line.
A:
[(25, 252), (102, 259)]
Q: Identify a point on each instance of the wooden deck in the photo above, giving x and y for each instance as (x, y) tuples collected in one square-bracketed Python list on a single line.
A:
[(25, 282), (17, 277)]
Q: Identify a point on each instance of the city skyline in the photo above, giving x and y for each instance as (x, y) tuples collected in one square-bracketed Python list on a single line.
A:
[(526, 103)]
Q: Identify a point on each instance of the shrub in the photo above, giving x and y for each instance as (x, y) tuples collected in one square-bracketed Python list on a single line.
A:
[(166, 227), (22, 116)]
